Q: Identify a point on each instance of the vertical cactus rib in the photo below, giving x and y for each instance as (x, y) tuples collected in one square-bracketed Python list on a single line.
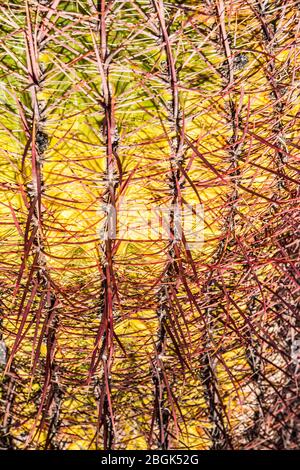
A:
[(107, 246)]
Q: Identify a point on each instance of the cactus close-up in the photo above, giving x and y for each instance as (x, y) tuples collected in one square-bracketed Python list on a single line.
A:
[(150, 225)]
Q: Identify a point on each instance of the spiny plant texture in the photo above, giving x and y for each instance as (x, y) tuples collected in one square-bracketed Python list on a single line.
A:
[(142, 341)]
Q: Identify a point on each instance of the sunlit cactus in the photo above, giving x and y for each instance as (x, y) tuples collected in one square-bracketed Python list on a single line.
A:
[(150, 240)]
